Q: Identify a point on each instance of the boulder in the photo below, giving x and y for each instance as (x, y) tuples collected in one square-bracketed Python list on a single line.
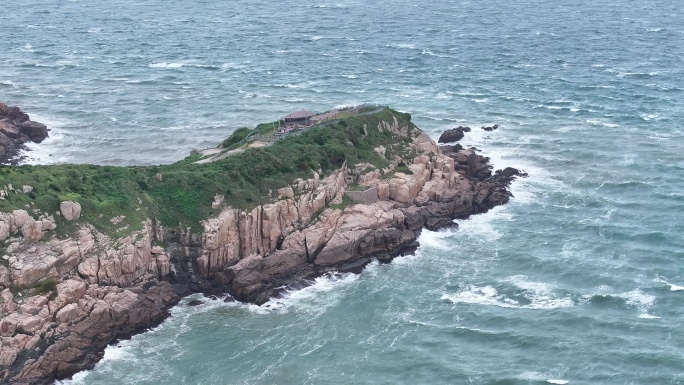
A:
[(68, 313), (19, 217), (37, 132), (286, 192), (70, 210), (13, 113), (31, 324), (32, 230), (71, 290), (452, 135)]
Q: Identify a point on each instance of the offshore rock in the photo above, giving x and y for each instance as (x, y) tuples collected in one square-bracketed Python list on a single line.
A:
[(453, 135)]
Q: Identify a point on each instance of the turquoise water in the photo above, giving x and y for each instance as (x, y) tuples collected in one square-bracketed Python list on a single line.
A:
[(579, 278)]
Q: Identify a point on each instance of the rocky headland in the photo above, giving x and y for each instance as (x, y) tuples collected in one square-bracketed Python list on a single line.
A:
[(78, 272), (16, 128)]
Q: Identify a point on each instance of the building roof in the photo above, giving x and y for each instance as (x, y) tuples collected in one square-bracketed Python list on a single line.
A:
[(299, 115)]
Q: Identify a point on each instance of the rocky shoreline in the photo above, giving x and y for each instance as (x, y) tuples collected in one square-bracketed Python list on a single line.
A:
[(16, 128), (106, 289)]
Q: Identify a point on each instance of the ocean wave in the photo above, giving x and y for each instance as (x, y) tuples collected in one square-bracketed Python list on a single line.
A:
[(673, 287), (518, 293), (637, 74), (436, 239), (633, 299), (7, 83), (536, 376), (176, 65), (166, 65), (595, 122), (289, 85), (313, 296), (402, 45)]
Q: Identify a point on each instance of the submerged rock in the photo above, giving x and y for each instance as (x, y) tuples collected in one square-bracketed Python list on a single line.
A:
[(490, 128)]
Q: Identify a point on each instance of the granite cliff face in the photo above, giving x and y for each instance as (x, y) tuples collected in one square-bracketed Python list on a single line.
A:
[(107, 288)]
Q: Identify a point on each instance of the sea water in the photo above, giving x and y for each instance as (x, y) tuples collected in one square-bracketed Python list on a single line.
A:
[(579, 279)]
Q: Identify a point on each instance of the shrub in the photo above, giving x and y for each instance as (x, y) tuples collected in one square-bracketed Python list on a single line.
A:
[(44, 287)]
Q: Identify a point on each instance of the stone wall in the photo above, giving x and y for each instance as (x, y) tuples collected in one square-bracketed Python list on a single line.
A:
[(365, 197)]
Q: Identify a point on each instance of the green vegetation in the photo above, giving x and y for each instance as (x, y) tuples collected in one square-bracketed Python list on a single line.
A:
[(182, 192), (44, 287), (236, 138)]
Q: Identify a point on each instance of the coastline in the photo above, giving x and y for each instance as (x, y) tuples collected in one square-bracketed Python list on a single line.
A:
[(307, 232)]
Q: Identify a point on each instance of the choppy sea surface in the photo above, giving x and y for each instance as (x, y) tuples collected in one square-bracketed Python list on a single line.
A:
[(578, 280)]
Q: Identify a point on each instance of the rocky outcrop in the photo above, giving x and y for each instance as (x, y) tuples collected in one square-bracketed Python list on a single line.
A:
[(95, 289), (16, 129), (250, 255), (105, 288), (453, 135)]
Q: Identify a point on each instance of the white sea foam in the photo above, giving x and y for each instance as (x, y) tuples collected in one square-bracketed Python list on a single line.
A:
[(558, 382), (673, 287), (166, 65), (289, 85), (643, 302), (639, 299), (323, 293), (539, 297), (484, 226), (435, 239), (595, 122), (7, 83)]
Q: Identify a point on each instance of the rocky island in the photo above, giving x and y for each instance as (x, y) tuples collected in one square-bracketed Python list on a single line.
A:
[(94, 253)]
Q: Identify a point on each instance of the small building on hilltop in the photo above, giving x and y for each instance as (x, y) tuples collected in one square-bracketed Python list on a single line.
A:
[(300, 117)]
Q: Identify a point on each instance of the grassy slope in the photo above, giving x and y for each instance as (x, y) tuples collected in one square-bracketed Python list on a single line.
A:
[(186, 190)]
